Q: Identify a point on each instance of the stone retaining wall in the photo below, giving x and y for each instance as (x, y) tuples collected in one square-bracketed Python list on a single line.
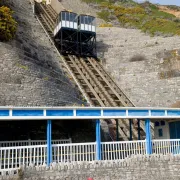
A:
[(154, 167)]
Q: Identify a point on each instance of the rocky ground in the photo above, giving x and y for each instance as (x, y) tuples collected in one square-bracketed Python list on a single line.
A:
[(138, 62)]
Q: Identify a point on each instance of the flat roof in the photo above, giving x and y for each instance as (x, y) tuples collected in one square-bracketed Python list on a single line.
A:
[(85, 113)]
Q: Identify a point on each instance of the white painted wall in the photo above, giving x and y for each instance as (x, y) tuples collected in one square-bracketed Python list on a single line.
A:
[(165, 129), (68, 24), (87, 27)]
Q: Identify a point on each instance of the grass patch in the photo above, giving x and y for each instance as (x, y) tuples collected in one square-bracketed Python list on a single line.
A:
[(163, 15), (104, 14), (22, 66), (145, 16), (106, 25)]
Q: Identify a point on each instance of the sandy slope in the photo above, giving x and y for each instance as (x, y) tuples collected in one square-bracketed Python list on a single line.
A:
[(166, 9)]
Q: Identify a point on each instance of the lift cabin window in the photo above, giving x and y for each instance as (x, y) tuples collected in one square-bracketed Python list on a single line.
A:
[(72, 17), (86, 20), (67, 16), (82, 20), (91, 20), (63, 16)]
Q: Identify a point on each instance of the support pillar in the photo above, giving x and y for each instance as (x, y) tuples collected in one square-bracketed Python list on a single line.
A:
[(49, 145), (139, 132), (130, 129), (117, 132), (98, 140), (148, 137)]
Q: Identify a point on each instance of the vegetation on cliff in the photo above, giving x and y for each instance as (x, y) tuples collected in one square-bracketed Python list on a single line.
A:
[(145, 16), (8, 25)]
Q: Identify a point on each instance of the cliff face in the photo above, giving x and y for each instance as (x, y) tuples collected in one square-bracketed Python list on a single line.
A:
[(31, 72), (146, 68)]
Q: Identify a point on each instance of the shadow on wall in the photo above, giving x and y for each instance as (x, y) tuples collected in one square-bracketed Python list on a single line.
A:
[(137, 57), (102, 48), (169, 63), (34, 130), (79, 130)]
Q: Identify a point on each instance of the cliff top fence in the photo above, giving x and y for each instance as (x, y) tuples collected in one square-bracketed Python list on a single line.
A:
[(12, 158)]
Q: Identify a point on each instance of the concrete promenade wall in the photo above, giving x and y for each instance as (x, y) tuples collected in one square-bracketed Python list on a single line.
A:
[(154, 167)]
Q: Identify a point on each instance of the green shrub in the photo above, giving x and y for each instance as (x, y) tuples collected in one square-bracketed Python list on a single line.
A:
[(161, 25), (162, 14), (104, 14), (105, 25), (8, 25)]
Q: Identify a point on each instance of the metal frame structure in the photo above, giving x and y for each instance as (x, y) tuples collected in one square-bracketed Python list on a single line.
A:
[(66, 33), (96, 113), (75, 34), (87, 35)]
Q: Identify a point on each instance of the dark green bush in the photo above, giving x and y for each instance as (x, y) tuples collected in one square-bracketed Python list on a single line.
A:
[(8, 25), (104, 14)]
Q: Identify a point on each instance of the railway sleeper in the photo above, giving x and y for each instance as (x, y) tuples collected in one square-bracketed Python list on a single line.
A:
[(44, 10)]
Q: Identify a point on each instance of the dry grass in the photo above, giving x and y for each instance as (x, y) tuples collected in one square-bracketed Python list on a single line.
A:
[(176, 105)]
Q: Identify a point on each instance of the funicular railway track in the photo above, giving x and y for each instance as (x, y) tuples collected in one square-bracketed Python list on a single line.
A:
[(94, 82)]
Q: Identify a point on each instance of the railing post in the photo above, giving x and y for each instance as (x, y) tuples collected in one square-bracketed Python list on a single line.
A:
[(148, 137), (49, 145), (98, 140), (29, 142)]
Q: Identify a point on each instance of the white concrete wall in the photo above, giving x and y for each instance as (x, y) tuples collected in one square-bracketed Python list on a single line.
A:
[(165, 129)]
